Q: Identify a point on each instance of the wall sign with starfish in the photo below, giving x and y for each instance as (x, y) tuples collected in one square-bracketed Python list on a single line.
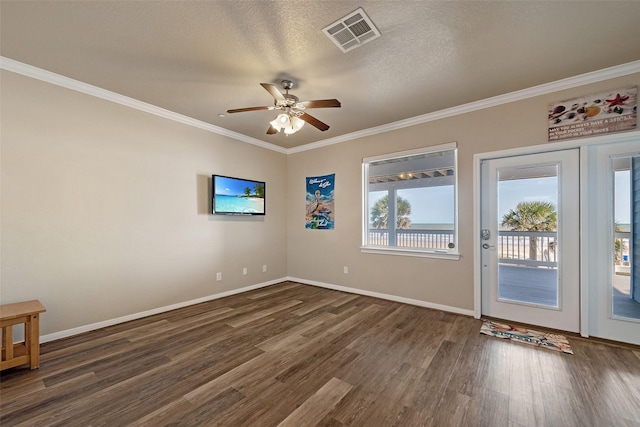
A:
[(606, 112)]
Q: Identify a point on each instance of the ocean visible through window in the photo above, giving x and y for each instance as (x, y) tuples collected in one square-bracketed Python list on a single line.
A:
[(410, 202)]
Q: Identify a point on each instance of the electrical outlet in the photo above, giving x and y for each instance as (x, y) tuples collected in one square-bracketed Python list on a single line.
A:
[(219, 276), (264, 268), (244, 271), (346, 270)]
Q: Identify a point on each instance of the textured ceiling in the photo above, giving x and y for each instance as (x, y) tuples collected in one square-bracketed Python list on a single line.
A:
[(200, 58)]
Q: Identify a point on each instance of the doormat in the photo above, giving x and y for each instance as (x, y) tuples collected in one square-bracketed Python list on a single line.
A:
[(528, 336)]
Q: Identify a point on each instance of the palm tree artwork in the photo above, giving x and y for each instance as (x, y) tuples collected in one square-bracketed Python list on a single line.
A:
[(260, 190), (532, 216), (380, 213)]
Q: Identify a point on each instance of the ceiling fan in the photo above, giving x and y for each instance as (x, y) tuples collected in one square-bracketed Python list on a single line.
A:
[(293, 115)]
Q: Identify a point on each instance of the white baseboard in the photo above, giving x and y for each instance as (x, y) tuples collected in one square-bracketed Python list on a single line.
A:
[(86, 328), (93, 326), (395, 298)]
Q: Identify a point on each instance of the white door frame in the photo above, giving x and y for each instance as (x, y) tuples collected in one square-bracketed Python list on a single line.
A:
[(566, 315), (562, 145), (601, 320)]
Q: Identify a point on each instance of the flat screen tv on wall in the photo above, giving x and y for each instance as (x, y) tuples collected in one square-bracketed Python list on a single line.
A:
[(236, 196)]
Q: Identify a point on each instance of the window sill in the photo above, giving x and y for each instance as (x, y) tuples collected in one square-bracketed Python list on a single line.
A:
[(410, 252)]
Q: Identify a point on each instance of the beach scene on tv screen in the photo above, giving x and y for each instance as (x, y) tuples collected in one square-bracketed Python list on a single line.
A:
[(234, 195)]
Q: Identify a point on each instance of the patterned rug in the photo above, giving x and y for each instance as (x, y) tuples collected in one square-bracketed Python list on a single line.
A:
[(528, 336)]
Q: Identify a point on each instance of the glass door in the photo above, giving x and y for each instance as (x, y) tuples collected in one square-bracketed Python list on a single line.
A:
[(530, 239), (611, 241)]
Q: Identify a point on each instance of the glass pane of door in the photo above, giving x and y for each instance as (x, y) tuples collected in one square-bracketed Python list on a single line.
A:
[(527, 227), (625, 303), (610, 240)]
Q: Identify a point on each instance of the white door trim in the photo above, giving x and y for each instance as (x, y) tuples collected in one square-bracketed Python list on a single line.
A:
[(598, 227), (555, 146), (565, 163)]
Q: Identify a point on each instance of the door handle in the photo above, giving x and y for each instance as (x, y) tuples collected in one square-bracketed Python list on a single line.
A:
[(487, 246)]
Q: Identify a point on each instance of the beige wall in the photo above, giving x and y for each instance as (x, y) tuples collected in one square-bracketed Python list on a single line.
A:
[(319, 256), (105, 208)]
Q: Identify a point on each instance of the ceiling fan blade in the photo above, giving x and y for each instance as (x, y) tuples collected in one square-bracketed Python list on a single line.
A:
[(314, 122), (271, 130), (242, 110), (274, 91), (322, 103)]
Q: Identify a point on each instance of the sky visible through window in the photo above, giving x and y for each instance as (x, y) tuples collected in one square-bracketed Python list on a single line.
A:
[(435, 205), (622, 197), (515, 191), (430, 205)]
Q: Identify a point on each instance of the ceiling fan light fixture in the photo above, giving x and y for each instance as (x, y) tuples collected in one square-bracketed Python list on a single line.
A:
[(283, 119), (288, 119), (296, 125), (280, 122), (287, 122), (274, 123)]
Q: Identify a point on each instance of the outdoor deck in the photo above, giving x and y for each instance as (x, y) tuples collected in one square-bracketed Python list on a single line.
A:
[(623, 305), (537, 286), (525, 276), (528, 284)]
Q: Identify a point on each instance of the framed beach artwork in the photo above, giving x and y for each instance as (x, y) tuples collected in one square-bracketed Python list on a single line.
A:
[(320, 202), (600, 113)]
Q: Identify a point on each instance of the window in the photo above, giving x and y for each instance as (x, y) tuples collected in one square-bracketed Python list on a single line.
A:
[(625, 284), (410, 203)]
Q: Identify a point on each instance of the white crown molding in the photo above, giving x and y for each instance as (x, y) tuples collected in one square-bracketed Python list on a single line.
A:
[(543, 89), (17, 67), (568, 83)]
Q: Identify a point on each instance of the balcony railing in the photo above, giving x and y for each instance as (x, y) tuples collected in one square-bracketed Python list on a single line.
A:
[(622, 248), (514, 247), (533, 248), (412, 238)]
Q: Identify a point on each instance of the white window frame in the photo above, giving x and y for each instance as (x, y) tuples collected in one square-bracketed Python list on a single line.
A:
[(452, 253)]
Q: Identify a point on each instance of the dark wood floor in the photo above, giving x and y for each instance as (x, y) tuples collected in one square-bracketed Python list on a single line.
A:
[(297, 355)]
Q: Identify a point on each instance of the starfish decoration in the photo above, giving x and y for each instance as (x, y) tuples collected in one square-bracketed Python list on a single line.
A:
[(618, 100)]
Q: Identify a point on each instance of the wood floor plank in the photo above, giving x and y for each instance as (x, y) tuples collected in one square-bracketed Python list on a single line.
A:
[(168, 414), (487, 408), (496, 356), (293, 335), (303, 355), (437, 376), (472, 366), (320, 303), (273, 290), (526, 406), (562, 408), (321, 403), (451, 410), (248, 318), (20, 401)]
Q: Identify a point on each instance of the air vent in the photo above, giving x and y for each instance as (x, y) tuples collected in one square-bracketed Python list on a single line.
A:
[(352, 31)]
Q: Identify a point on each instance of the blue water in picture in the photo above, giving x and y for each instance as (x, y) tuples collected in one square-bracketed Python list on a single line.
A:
[(320, 221), (237, 204)]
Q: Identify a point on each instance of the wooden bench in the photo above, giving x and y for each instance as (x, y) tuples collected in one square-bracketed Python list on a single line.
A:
[(28, 351)]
